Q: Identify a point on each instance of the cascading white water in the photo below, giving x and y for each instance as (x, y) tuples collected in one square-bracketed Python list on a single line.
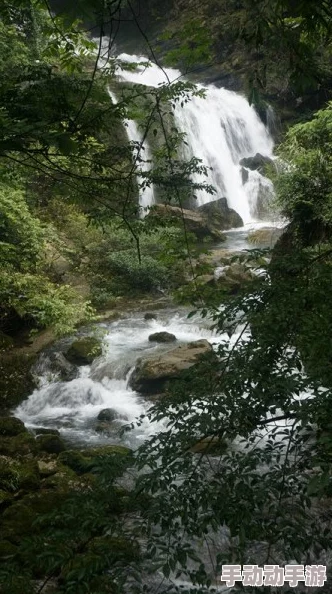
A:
[(221, 129), (73, 406), (141, 154)]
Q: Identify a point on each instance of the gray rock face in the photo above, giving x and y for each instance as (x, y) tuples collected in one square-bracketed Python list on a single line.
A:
[(218, 213), (194, 221), (162, 337), (255, 163), (150, 375)]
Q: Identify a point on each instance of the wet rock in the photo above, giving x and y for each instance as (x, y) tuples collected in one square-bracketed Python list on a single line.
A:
[(150, 375), (108, 414), (264, 208), (150, 316), (11, 426), (162, 337), (257, 162), (46, 431), (194, 221), (219, 214), (84, 350), (104, 427), (52, 444), (55, 363), (244, 175)]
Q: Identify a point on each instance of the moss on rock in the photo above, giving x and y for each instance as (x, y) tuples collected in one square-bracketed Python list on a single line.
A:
[(16, 475), (84, 350), (20, 445), (11, 426), (83, 461), (52, 444), (16, 522)]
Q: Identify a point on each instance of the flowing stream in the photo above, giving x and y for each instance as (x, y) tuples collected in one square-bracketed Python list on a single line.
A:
[(73, 406)]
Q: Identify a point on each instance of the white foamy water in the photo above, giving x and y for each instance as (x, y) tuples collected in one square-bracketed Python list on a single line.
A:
[(73, 406), (221, 129), (142, 158)]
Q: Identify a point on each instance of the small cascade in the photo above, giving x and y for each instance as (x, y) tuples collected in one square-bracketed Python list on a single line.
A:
[(73, 406), (142, 157), (221, 129)]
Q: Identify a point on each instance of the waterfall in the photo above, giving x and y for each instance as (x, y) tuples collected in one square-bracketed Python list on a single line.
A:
[(221, 129), (141, 155)]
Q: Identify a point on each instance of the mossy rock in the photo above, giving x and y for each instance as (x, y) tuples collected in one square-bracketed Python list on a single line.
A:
[(16, 379), (16, 522), (83, 461), (84, 350), (7, 550), (108, 450), (75, 460), (11, 426), (66, 481), (16, 475), (52, 444), (20, 445), (44, 502), (162, 337)]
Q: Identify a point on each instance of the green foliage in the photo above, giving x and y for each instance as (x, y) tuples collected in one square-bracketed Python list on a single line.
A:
[(305, 190), (21, 235)]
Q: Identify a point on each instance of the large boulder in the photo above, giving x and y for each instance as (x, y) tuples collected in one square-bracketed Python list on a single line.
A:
[(256, 162), (150, 375), (194, 221), (84, 350), (218, 214)]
